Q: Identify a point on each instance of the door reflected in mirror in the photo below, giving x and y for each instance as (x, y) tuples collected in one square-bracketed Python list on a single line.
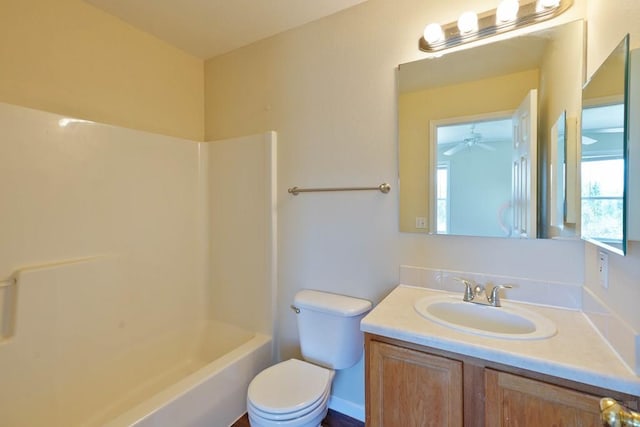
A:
[(603, 158)]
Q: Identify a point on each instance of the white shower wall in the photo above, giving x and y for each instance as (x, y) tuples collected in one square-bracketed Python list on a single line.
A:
[(108, 231), (242, 205), (88, 189)]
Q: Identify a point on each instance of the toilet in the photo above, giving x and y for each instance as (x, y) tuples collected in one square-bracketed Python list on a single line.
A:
[(295, 393)]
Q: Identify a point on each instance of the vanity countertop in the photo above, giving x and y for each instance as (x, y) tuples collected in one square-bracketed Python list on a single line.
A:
[(576, 352)]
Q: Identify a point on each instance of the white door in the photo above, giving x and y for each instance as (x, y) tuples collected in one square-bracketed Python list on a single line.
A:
[(524, 175)]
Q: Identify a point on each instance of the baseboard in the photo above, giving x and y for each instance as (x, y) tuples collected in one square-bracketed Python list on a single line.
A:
[(347, 407)]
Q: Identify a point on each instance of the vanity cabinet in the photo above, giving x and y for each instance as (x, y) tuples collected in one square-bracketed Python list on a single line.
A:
[(412, 388), (516, 400), (410, 385)]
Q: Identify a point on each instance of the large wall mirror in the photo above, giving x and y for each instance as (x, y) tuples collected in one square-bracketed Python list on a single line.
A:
[(603, 167), (475, 131)]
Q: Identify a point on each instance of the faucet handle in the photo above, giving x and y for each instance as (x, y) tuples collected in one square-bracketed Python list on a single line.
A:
[(494, 298), (469, 286)]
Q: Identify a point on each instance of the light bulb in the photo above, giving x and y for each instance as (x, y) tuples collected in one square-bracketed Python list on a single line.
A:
[(433, 33), (507, 11), (547, 4), (468, 22)]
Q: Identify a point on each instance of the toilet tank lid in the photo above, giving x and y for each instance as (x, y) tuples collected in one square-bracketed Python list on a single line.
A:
[(336, 304)]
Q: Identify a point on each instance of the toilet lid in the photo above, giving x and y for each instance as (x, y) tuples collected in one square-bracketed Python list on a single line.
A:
[(289, 386)]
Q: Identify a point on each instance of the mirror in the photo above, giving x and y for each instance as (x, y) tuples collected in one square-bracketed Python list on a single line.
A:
[(603, 164), (452, 113)]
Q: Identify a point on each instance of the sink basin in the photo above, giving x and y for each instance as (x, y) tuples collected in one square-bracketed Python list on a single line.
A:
[(507, 322)]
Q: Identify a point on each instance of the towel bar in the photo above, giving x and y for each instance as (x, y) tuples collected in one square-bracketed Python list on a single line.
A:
[(383, 188)]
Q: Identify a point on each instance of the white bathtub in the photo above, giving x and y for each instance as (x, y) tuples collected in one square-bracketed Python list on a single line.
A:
[(184, 378), (212, 396)]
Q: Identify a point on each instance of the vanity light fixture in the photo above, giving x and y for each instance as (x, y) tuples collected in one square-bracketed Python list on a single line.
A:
[(509, 15)]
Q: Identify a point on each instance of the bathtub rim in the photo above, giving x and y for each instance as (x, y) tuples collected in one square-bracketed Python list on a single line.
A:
[(153, 404)]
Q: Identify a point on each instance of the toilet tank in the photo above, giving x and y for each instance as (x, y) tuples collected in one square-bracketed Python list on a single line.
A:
[(329, 328)]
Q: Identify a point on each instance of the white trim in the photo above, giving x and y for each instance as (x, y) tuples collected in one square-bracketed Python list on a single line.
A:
[(347, 407)]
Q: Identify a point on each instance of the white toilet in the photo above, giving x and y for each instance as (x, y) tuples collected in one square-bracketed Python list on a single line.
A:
[(295, 393)]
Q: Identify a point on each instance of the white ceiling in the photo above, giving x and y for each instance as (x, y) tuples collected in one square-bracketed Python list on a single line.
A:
[(207, 28)]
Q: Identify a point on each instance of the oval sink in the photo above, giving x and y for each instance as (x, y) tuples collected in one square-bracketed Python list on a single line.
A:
[(507, 322)]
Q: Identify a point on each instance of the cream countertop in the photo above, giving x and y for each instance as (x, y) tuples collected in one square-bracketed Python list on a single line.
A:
[(576, 352)]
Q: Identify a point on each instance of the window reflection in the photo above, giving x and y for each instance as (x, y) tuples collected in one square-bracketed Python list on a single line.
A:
[(602, 199), (602, 171)]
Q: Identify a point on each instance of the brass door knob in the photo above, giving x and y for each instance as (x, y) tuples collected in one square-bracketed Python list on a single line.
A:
[(613, 414)]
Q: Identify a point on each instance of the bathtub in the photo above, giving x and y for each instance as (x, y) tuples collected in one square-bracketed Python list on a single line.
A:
[(214, 395), (192, 377)]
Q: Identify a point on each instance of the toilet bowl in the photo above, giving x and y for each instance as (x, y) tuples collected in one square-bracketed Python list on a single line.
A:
[(295, 393)]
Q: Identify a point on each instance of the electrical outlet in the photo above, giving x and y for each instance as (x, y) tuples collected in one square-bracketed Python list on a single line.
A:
[(421, 222), (603, 268)]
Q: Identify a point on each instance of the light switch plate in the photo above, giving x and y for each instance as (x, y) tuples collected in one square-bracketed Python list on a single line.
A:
[(603, 268)]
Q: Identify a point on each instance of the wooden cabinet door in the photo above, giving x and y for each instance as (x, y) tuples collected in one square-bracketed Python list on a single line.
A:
[(408, 388), (512, 400)]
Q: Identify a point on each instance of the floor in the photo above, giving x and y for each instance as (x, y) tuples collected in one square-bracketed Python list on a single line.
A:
[(334, 419)]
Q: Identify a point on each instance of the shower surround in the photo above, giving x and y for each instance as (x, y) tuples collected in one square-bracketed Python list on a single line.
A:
[(120, 256)]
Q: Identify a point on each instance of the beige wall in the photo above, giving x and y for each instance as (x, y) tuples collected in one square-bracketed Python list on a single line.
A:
[(608, 22), (417, 109), (70, 58)]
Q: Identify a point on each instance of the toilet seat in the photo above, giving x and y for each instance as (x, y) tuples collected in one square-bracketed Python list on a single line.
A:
[(289, 394), (289, 387), (284, 416), (311, 419)]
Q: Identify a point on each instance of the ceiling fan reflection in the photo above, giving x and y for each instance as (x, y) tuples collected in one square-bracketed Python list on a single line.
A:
[(475, 140), (588, 140)]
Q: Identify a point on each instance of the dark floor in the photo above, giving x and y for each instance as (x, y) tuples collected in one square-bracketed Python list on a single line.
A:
[(334, 419)]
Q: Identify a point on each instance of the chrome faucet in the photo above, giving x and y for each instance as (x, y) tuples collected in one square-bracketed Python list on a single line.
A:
[(476, 293)]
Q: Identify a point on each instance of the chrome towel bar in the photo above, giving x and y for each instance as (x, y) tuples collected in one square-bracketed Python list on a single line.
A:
[(383, 188)]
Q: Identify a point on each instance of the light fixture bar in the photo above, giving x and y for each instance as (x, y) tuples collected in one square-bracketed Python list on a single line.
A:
[(528, 13)]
